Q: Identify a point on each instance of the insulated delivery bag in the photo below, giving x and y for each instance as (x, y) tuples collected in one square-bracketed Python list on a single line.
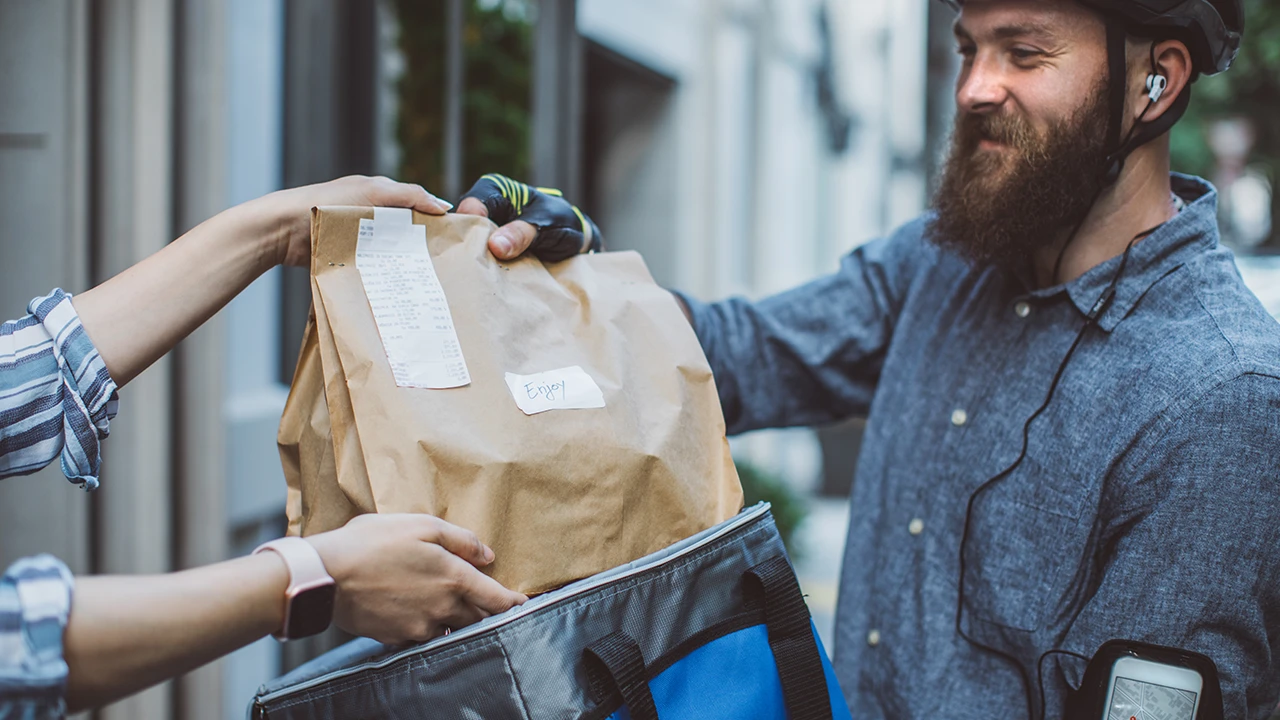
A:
[(710, 628)]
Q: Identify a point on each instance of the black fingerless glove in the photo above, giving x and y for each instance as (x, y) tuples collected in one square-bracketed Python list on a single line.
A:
[(563, 229)]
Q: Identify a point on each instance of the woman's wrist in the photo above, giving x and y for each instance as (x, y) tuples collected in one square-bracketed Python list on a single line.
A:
[(274, 576), (264, 226)]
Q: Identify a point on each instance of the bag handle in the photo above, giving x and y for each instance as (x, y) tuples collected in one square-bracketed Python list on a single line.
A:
[(773, 585), (615, 665)]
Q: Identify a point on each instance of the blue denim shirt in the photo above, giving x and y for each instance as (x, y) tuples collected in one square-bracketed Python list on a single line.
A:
[(1147, 507)]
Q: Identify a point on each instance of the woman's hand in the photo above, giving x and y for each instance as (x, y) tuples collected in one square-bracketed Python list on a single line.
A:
[(405, 578), (286, 214)]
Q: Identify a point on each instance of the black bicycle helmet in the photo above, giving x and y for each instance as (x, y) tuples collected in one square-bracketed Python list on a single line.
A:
[(1211, 30)]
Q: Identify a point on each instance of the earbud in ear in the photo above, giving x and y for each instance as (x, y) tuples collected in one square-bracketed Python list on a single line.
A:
[(1155, 86)]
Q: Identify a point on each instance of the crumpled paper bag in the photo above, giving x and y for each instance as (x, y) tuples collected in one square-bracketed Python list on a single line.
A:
[(558, 495)]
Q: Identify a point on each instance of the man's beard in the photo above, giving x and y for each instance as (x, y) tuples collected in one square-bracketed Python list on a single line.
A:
[(998, 207)]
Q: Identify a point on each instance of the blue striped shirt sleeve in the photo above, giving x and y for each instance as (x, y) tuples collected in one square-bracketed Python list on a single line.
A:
[(56, 396), (35, 601)]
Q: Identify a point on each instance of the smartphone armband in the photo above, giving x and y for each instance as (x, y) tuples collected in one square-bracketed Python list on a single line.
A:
[(1106, 687)]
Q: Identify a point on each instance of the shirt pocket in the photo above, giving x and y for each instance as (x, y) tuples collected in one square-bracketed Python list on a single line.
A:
[(1027, 537)]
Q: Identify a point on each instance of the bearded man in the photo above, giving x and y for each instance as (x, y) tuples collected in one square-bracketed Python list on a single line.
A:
[(1073, 399)]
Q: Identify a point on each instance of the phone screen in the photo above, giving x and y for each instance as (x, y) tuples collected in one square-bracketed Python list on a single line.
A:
[(1139, 700)]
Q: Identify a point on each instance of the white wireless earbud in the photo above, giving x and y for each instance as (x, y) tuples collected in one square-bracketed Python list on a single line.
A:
[(1155, 86)]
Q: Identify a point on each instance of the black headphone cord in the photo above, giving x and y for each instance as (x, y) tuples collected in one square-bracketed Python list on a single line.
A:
[(1040, 671), (1095, 313)]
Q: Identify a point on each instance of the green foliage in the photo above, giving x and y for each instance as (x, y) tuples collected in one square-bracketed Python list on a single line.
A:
[(1251, 89), (788, 507), (498, 52)]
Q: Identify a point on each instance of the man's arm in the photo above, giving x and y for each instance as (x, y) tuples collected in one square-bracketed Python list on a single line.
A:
[(813, 354), (1188, 558)]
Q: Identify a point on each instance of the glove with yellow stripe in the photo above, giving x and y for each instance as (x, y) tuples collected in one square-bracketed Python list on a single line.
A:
[(535, 219)]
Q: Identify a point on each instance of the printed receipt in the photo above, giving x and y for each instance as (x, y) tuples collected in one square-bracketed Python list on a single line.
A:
[(568, 388), (408, 302)]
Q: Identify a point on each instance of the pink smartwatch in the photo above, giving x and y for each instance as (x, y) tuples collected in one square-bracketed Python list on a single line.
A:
[(309, 599)]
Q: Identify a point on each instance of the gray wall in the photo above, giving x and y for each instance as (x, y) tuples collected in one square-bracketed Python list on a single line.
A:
[(43, 239)]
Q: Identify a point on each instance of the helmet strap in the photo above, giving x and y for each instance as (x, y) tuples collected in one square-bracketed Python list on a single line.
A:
[(1142, 132), (1119, 80)]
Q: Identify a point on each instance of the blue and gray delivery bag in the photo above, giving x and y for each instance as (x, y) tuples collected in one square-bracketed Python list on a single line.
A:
[(713, 628)]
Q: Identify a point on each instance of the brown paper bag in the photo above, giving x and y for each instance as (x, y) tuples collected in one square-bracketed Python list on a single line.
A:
[(558, 495), (306, 446)]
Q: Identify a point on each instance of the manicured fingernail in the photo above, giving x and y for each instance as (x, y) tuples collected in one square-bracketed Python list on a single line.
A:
[(445, 204), (503, 244), (488, 554)]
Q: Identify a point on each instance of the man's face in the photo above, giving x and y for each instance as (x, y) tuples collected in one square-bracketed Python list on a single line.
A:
[(1028, 147)]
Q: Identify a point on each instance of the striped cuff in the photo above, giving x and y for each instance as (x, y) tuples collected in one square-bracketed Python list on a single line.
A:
[(35, 601), (90, 398)]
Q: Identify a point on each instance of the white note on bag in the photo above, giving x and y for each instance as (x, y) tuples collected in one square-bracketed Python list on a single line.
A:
[(568, 388), (408, 303)]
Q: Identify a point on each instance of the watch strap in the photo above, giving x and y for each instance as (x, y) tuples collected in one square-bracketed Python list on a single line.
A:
[(308, 601), (306, 569)]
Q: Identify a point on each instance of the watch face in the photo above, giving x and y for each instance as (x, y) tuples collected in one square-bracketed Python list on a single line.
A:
[(310, 612)]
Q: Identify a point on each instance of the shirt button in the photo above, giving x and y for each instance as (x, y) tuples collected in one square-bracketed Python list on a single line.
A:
[(959, 417), (873, 638), (1023, 309), (916, 526)]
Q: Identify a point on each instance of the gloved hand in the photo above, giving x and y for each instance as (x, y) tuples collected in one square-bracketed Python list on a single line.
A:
[(533, 219)]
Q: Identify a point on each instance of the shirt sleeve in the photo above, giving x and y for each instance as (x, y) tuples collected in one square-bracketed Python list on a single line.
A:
[(1188, 558), (811, 355), (35, 601), (56, 396)]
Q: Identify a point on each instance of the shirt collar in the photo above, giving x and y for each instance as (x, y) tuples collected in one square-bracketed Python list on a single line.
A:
[(1189, 233)]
